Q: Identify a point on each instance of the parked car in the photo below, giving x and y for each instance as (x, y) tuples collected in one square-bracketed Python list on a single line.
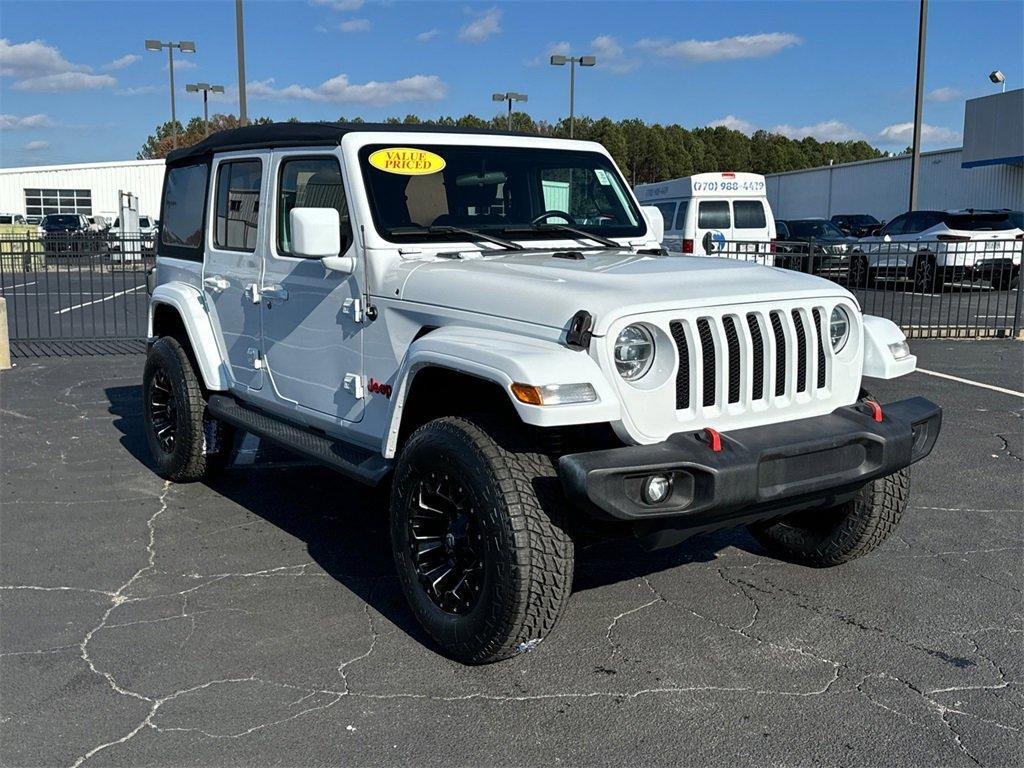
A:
[(415, 308), (144, 242), (12, 218), (814, 245), (64, 233), (934, 247), (857, 224)]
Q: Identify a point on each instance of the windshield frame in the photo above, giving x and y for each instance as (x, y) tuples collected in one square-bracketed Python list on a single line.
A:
[(357, 160)]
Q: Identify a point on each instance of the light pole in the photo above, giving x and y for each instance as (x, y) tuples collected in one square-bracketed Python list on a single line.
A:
[(243, 117), (583, 61), (998, 78), (185, 46), (509, 97), (207, 89), (915, 157)]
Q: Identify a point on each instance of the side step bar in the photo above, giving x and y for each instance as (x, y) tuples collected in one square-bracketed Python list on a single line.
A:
[(358, 463)]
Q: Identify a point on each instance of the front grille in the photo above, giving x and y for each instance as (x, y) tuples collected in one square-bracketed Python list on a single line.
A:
[(786, 347)]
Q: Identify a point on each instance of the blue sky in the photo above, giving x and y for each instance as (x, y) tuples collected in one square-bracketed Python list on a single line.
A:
[(76, 84)]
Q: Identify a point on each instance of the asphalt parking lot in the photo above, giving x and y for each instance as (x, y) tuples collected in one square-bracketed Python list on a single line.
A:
[(256, 621)]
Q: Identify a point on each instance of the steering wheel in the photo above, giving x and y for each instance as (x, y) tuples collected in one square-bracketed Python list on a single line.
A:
[(550, 214)]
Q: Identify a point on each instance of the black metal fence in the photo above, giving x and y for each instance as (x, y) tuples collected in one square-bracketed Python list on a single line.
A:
[(75, 287), (930, 288)]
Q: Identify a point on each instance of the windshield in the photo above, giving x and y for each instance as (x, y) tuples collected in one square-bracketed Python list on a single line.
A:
[(60, 221), (814, 229), (491, 189), (858, 220)]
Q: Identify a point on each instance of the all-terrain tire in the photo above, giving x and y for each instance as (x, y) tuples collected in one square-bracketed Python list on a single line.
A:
[(825, 537), (527, 555), (186, 459)]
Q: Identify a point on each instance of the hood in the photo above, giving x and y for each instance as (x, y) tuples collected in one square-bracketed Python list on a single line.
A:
[(539, 287)]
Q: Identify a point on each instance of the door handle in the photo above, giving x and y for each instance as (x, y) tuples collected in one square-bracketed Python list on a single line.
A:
[(275, 292), (216, 284)]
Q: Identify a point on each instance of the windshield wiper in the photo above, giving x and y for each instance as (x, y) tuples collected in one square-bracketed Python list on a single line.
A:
[(564, 228), (447, 229)]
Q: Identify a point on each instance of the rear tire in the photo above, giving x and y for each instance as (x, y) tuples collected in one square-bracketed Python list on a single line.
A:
[(174, 412), (825, 537), (478, 539)]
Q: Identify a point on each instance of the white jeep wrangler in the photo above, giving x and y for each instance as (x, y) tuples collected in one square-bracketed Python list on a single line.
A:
[(487, 323)]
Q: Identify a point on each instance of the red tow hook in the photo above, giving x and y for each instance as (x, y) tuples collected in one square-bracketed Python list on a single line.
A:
[(714, 439), (875, 409)]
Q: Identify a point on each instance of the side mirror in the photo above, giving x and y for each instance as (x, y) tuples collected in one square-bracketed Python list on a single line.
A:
[(316, 234), (655, 221)]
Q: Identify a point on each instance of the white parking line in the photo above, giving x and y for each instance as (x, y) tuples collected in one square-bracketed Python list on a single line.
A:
[(19, 285), (993, 387), (98, 301)]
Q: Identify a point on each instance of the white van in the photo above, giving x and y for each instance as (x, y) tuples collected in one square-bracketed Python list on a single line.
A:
[(705, 211)]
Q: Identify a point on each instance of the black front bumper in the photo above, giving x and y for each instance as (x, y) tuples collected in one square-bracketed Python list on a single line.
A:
[(760, 470)]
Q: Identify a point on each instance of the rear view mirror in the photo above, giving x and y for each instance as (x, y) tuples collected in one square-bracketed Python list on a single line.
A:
[(655, 221), (316, 232)]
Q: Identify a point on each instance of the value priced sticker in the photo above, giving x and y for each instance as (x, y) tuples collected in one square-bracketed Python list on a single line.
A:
[(406, 162)]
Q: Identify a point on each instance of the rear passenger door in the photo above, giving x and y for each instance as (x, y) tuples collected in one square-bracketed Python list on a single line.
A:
[(714, 227), (231, 272)]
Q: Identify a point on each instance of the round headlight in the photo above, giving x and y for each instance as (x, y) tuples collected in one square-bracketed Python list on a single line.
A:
[(634, 352), (839, 328)]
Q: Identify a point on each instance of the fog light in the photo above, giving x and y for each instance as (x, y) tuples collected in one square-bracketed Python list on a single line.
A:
[(899, 350), (656, 489)]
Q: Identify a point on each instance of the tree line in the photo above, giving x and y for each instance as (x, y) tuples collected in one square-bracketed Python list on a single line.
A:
[(645, 152)]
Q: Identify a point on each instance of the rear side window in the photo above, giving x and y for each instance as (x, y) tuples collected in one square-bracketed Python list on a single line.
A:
[(183, 208), (668, 212), (713, 214), (749, 214), (310, 182), (681, 214), (238, 205)]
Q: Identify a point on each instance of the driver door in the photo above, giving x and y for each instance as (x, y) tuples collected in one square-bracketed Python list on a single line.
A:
[(311, 316)]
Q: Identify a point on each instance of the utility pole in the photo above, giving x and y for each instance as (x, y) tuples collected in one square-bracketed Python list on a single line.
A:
[(243, 117), (915, 158)]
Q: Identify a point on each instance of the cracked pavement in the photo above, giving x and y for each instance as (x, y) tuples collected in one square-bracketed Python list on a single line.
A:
[(257, 621)]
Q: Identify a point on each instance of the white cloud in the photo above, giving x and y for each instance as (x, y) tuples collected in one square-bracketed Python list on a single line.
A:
[(33, 59), (903, 133), (36, 146), (142, 90), (64, 81), (483, 25), (562, 48), (125, 61), (827, 130), (429, 34), (735, 123), (611, 56), (182, 63), (339, 90), (355, 25), (724, 49), (944, 94), (13, 122), (340, 5)]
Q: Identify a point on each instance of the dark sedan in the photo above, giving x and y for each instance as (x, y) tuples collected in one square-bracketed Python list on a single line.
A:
[(857, 224)]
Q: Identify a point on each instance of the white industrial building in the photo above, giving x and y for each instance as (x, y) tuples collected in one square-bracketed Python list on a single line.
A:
[(89, 188), (987, 172)]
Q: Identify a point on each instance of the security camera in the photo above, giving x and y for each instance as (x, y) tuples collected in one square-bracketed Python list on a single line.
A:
[(996, 76)]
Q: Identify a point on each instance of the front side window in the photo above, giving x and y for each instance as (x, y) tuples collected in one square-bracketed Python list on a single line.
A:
[(749, 214), (713, 214), (238, 205), (310, 182), (497, 190), (183, 208), (897, 226)]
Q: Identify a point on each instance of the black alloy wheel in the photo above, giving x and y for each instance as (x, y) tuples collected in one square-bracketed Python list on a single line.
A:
[(162, 410), (445, 542)]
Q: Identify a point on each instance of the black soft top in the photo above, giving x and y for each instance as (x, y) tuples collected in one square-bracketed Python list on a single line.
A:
[(275, 135)]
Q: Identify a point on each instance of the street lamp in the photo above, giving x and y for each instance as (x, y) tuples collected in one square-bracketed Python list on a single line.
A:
[(509, 97), (185, 46), (207, 89), (998, 78), (583, 61)]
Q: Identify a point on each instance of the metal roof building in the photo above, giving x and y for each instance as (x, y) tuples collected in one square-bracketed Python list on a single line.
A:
[(988, 172), (89, 188)]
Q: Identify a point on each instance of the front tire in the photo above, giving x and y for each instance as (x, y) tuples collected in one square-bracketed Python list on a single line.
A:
[(825, 537), (478, 538), (174, 412)]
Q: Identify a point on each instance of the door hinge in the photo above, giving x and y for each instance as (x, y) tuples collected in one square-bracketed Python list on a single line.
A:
[(354, 384), (353, 307), (253, 291), (255, 359)]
